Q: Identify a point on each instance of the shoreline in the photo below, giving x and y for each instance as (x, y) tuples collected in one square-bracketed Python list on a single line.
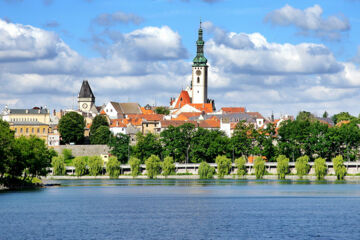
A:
[(197, 177)]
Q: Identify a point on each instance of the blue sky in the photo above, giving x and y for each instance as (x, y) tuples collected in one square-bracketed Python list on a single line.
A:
[(269, 56)]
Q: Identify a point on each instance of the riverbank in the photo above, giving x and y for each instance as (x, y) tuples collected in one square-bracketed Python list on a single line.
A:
[(246, 177)]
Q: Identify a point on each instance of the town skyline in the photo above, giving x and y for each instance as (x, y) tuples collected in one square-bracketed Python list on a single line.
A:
[(277, 63)]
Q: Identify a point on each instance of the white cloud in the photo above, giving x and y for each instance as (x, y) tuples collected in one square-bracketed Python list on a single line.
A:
[(252, 53), (310, 21), (148, 65)]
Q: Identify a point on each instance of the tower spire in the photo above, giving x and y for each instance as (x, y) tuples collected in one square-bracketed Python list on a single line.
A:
[(200, 59)]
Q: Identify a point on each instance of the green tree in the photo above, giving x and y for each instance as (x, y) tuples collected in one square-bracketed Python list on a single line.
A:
[(320, 168), (339, 167), (206, 145), (302, 166), (243, 139), (223, 166), (135, 166), (152, 166), (146, 146), (71, 127), (35, 154), (80, 166), (282, 166), (168, 166), (102, 135), (162, 110), (343, 116), (259, 166), (120, 147), (305, 116), (96, 165), (176, 141), (98, 121), (325, 114), (9, 164), (58, 165), (113, 167), (67, 155), (206, 171), (240, 165)]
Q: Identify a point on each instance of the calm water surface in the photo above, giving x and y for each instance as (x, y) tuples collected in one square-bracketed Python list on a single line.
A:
[(183, 209)]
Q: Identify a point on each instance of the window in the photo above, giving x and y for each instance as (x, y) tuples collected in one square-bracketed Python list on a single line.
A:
[(32, 130), (38, 130), (21, 130), (198, 80), (43, 130), (15, 130), (27, 130)]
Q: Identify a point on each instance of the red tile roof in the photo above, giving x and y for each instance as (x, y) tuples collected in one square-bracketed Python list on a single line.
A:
[(187, 115), (117, 123), (206, 107), (147, 117), (233, 109), (146, 111), (209, 123), (183, 99), (175, 123)]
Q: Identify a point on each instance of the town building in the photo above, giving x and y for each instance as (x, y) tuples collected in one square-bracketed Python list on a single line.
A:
[(116, 110), (86, 98)]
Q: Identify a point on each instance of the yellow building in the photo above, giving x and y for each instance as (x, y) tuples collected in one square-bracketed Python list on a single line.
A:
[(27, 122), (41, 115), (27, 129)]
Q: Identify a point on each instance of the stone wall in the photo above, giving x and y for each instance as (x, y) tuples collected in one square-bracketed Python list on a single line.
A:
[(84, 150)]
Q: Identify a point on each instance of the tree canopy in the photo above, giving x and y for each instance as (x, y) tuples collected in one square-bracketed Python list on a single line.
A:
[(71, 127)]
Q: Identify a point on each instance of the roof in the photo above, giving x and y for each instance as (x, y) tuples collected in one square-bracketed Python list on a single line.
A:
[(27, 123), (183, 99), (126, 121), (175, 123), (209, 123), (206, 107), (187, 115), (147, 117), (117, 123), (233, 109), (29, 111), (103, 112), (146, 111), (130, 108), (85, 90), (255, 114)]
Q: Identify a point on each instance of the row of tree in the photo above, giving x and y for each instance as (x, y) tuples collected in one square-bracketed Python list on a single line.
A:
[(304, 136)]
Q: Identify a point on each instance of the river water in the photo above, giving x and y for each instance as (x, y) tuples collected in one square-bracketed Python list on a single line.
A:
[(183, 209)]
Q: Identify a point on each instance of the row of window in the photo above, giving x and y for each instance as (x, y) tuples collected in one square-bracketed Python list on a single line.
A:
[(27, 130), (23, 119)]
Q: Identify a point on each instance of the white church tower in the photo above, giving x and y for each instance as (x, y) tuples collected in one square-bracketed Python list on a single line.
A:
[(199, 82)]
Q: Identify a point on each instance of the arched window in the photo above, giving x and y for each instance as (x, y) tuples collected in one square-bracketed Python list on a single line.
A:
[(198, 80)]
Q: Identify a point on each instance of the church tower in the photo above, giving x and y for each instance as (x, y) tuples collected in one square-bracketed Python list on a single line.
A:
[(86, 98), (199, 72)]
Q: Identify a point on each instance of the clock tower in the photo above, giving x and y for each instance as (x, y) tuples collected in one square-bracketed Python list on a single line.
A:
[(199, 81), (86, 98)]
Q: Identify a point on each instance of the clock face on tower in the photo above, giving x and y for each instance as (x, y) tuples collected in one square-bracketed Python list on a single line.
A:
[(198, 72), (84, 105)]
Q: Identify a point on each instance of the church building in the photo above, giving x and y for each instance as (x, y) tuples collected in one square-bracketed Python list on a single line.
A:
[(86, 98), (195, 97)]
